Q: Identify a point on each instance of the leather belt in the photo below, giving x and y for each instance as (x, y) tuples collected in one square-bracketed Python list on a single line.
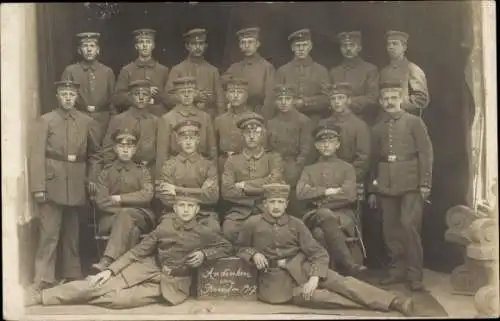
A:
[(70, 158), (397, 158), (182, 271)]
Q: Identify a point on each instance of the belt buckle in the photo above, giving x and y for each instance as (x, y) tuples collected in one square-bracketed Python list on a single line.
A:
[(391, 158), (71, 158), (91, 108)]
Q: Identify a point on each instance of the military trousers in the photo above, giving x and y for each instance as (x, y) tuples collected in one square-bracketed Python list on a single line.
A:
[(124, 229), (401, 223), (114, 294), (236, 218), (58, 224), (102, 118)]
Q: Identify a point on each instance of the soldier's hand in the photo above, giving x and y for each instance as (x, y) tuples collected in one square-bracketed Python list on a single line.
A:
[(372, 201), (40, 197), (92, 188), (168, 189), (309, 287), (260, 261), (195, 259), (240, 185), (115, 199), (154, 90), (425, 192), (100, 278), (332, 191)]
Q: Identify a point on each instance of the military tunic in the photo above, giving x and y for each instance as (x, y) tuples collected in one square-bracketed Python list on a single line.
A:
[(60, 136), (97, 84), (364, 80), (146, 124), (153, 270), (309, 77), (132, 216), (207, 77), (167, 142), (150, 70), (256, 170), (288, 238), (228, 135), (355, 142), (327, 211), (415, 93), (260, 75), (403, 163)]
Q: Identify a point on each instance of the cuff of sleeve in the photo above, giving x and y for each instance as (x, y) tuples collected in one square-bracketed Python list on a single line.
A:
[(114, 268), (209, 253), (318, 270)]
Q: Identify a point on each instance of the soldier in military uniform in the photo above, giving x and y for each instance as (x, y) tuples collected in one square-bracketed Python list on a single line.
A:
[(158, 269), (361, 75), (145, 67), (294, 267), (139, 118), (257, 71), (97, 81), (228, 135), (354, 133), (186, 91), (246, 172), (290, 134), (210, 97), (62, 162), (400, 69), (189, 171), (329, 186), (308, 77), (402, 177), (124, 194)]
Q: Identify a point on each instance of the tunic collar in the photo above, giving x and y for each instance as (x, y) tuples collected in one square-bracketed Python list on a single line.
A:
[(252, 59), (292, 113), (67, 113), (341, 117), (282, 220), (150, 63), (328, 159), (399, 62), (238, 110), (180, 224), (139, 113), (351, 63), (186, 111), (303, 62), (255, 155), (395, 115), (193, 158), (122, 166), (195, 60), (92, 65)]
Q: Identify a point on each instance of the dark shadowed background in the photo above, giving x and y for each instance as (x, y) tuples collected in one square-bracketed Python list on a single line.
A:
[(440, 42)]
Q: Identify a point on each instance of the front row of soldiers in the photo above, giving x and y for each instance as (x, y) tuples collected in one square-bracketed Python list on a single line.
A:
[(142, 157)]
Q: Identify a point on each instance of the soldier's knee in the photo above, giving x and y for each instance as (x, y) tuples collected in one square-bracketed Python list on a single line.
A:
[(125, 216), (230, 230)]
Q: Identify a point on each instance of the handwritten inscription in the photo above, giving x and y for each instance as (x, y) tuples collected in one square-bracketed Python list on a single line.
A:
[(229, 278)]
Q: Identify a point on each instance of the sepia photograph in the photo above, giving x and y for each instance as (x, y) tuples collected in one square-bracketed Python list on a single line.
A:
[(249, 160)]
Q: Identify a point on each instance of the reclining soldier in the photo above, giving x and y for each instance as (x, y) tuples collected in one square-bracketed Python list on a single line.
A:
[(329, 185), (124, 193), (179, 244), (190, 172), (293, 266)]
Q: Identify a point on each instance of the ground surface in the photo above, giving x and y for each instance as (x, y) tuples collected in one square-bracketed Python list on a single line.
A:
[(439, 302)]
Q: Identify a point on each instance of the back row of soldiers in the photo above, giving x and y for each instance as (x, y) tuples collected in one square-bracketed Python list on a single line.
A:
[(178, 152)]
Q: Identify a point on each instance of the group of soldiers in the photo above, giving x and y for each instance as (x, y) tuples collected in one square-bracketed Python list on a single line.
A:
[(186, 166)]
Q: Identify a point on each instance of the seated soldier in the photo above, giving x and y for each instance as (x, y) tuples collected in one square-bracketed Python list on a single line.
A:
[(157, 269), (246, 172), (124, 193), (330, 187), (294, 267), (190, 172)]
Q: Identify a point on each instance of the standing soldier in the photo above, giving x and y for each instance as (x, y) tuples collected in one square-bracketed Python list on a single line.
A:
[(412, 78), (185, 90), (256, 70), (145, 67), (354, 133), (210, 97), (294, 267), (190, 172), (139, 118), (329, 186), (97, 81), (228, 135), (124, 194), (290, 134), (361, 75), (402, 178), (65, 140), (307, 76), (245, 174)]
